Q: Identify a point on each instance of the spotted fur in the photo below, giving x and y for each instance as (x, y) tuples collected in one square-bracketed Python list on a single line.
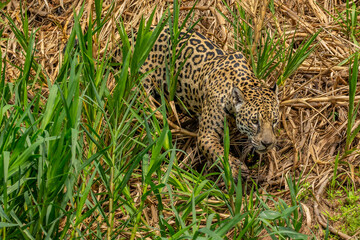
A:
[(213, 84)]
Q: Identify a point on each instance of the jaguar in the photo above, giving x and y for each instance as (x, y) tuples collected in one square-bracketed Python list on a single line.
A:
[(213, 86)]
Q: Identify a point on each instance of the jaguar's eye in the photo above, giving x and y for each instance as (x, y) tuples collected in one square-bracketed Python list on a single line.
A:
[(255, 121), (275, 121)]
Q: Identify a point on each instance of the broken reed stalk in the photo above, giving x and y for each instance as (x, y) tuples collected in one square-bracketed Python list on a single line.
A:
[(259, 25), (332, 99)]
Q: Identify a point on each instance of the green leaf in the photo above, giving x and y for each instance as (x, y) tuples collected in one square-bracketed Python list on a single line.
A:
[(3, 4), (290, 233), (85, 193), (50, 106), (221, 231), (270, 215), (5, 225), (210, 233)]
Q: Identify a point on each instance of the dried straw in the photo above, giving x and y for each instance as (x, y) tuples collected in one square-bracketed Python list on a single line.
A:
[(314, 99)]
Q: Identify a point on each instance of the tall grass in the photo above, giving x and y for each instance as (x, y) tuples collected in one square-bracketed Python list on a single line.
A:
[(353, 110), (178, 34), (347, 19), (71, 160), (269, 52), (54, 151)]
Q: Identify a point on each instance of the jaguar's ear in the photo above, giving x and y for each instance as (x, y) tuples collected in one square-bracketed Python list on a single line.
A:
[(237, 97), (274, 88)]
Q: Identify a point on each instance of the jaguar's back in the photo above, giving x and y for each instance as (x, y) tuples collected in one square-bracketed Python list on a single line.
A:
[(198, 50)]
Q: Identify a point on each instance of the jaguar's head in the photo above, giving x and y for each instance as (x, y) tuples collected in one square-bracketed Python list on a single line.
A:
[(257, 115)]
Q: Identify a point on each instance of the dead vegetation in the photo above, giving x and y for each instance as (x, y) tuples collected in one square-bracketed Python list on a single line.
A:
[(314, 100)]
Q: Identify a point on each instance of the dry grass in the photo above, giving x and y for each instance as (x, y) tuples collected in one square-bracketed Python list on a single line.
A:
[(313, 101)]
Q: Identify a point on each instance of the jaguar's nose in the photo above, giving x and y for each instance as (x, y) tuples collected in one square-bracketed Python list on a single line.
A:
[(266, 144)]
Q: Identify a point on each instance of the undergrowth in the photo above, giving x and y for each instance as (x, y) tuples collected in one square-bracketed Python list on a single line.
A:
[(71, 159)]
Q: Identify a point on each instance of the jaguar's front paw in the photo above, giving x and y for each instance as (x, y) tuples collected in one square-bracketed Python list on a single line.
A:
[(236, 166)]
